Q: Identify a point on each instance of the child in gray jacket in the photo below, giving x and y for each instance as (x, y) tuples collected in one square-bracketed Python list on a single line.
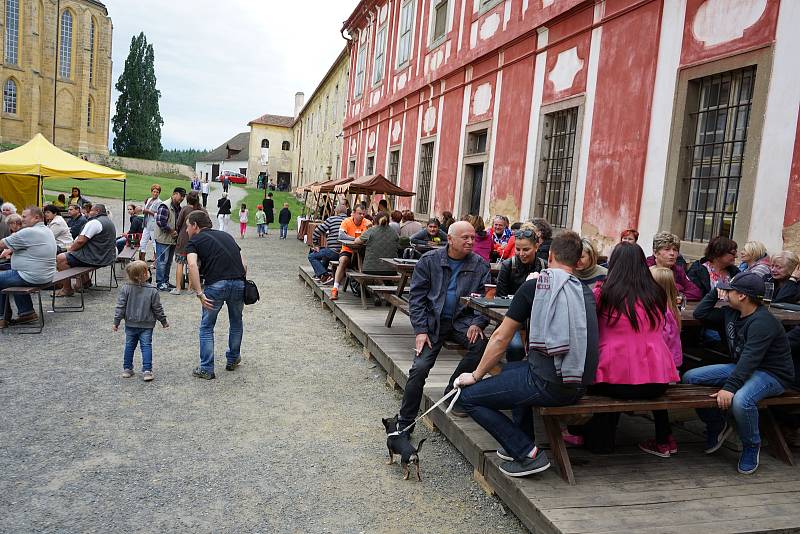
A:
[(140, 305)]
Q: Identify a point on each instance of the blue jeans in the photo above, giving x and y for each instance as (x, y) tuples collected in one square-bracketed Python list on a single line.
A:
[(144, 337), (284, 230), (261, 228), (319, 260), (230, 292), (11, 278), (516, 351), (121, 243), (164, 255), (744, 407), (515, 389)]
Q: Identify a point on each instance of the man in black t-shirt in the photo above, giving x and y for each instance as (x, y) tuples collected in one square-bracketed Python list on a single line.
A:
[(216, 256), (552, 376)]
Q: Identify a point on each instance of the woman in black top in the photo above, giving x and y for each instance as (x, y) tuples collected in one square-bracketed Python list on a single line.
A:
[(515, 270), (717, 266), (223, 212), (785, 267), (269, 209)]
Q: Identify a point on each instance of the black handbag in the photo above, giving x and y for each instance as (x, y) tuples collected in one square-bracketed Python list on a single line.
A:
[(251, 295)]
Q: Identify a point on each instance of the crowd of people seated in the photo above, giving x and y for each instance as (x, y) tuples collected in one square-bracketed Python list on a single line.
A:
[(579, 324)]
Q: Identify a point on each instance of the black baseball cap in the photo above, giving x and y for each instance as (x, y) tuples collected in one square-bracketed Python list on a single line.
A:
[(750, 284)]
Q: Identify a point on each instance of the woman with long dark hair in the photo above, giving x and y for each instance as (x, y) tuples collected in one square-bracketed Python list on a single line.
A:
[(635, 361)]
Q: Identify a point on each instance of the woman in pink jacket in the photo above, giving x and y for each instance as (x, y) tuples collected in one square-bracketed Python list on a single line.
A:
[(483, 239)]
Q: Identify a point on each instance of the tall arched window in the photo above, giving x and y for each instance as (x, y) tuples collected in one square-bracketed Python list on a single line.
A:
[(12, 32), (90, 113), (285, 145), (265, 143), (65, 55), (10, 97), (91, 50)]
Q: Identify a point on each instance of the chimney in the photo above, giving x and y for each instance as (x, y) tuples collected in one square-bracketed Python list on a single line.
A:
[(299, 100)]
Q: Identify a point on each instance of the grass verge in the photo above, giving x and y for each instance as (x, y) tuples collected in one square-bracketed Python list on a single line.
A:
[(137, 188)]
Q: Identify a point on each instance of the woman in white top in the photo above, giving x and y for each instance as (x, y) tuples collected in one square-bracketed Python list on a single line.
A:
[(204, 185), (59, 227)]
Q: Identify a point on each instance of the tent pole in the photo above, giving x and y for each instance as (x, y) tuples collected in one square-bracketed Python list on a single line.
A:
[(124, 194)]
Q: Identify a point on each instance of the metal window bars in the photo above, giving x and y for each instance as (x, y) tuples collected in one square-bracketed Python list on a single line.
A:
[(556, 179), (12, 32), (424, 181), (716, 156)]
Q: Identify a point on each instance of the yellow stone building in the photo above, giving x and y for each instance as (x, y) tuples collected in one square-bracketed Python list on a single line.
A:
[(80, 95), (307, 147)]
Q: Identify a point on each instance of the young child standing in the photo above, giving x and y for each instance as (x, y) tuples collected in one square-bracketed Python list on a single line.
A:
[(139, 304), (243, 215), (283, 219), (261, 221)]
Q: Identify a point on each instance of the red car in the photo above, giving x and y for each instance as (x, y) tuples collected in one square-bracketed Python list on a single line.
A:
[(234, 177)]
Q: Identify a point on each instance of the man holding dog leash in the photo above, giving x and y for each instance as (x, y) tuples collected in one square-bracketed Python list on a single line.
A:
[(439, 281)]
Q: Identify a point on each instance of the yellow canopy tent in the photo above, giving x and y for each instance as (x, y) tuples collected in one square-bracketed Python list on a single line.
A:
[(24, 170)]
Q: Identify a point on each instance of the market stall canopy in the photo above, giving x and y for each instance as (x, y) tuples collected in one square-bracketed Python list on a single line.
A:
[(23, 169), (330, 185), (375, 184), (305, 188)]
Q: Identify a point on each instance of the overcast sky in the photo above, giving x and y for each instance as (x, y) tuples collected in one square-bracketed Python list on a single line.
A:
[(219, 65)]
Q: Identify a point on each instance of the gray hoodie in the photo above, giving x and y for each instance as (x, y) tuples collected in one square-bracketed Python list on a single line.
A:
[(139, 305)]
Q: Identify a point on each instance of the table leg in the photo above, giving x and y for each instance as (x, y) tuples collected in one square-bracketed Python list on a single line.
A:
[(401, 285)]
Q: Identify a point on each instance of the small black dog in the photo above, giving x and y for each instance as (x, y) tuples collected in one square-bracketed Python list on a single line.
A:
[(401, 444)]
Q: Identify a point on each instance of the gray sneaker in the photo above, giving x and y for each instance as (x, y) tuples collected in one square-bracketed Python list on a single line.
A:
[(127, 373), (526, 467), (503, 455)]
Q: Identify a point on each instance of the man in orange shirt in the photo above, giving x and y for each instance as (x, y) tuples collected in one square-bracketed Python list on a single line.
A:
[(351, 228)]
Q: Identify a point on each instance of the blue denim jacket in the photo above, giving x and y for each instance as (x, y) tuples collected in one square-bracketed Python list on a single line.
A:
[(429, 292)]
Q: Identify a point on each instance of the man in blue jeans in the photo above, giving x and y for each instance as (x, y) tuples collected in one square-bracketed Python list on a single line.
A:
[(763, 368), (166, 236), (224, 270), (562, 359), (319, 256)]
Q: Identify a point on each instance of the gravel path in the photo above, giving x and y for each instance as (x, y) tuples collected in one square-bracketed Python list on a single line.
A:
[(289, 442)]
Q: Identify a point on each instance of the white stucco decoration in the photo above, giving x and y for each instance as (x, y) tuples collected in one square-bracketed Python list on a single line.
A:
[(382, 15), (401, 80), (437, 59), (429, 122), (548, 3), (567, 66), (371, 141), (489, 26), (482, 99), (356, 109), (720, 21), (396, 131), (374, 97), (353, 145)]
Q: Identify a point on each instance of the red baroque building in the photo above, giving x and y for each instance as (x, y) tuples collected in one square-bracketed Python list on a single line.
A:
[(599, 115)]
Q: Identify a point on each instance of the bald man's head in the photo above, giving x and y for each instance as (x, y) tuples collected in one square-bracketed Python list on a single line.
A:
[(460, 239)]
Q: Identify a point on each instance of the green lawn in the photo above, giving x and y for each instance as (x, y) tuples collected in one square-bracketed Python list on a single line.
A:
[(137, 188), (256, 196)]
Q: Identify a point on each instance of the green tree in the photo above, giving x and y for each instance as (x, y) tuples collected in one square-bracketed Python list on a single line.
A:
[(137, 122)]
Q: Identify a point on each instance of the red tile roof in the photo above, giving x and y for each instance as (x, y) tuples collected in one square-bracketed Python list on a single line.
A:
[(273, 120)]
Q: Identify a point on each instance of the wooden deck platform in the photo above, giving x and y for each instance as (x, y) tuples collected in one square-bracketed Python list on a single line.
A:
[(628, 491)]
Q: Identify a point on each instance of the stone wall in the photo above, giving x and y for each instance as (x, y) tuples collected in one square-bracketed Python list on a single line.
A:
[(142, 166)]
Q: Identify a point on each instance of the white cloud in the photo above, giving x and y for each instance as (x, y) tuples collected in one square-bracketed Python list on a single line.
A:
[(222, 64)]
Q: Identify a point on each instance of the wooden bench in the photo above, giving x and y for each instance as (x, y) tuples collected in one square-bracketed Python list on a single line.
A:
[(69, 274), (364, 280), (678, 396), (25, 290)]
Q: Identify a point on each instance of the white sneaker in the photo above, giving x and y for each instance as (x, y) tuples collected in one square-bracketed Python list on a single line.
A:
[(175, 291)]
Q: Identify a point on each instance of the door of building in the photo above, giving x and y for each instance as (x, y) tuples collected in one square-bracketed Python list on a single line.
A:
[(214, 170), (284, 181), (473, 188)]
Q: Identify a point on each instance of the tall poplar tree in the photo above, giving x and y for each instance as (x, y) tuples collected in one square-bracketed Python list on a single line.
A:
[(137, 122)]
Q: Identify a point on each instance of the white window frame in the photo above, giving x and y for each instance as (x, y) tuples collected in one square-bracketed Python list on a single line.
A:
[(486, 5), (361, 66), (404, 53), (379, 57), (10, 97), (67, 33), (11, 54), (92, 39), (433, 39)]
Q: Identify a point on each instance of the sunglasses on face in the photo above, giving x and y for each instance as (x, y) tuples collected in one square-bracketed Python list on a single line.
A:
[(527, 234)]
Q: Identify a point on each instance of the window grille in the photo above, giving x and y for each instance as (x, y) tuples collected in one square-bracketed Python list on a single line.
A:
[(716, 156), (10, 97), (89, 111), (370, 168), (65, 55), (405, 33), (380, 53), (12, 32), (91, 51), (361, 64), (394, 166), (556, 178), (424, 181)]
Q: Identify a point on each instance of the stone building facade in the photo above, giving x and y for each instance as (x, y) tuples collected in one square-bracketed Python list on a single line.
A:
[(271, 149), (82, 85)]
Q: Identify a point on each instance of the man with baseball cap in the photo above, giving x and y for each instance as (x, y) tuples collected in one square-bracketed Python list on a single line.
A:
[(763, 364)]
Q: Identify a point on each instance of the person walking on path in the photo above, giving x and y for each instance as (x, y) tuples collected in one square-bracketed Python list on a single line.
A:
[(204, 187), (244, 215), (284, 218), (192, 204), (149, 209), (166, 237), (269, 209), (216, 256), (139, 304), (223, 212)]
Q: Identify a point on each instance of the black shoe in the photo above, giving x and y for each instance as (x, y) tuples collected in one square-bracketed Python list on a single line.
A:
[(205, 375), (234, 364), (526, 467)]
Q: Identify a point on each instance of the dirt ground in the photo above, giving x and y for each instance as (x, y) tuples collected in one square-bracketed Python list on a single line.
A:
[(289, 442)]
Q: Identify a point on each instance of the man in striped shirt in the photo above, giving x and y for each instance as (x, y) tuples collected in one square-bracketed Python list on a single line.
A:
[(318, 256)]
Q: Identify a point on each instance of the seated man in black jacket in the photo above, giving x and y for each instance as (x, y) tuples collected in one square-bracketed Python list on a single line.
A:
[(763, 365)]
